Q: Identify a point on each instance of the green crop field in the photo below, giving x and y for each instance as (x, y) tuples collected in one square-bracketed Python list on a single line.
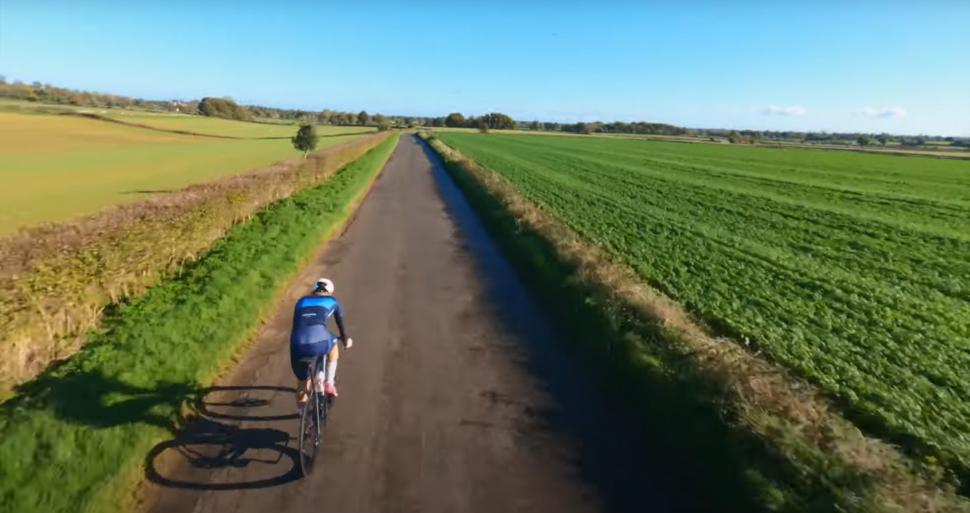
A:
[(57, 167), (170, 121), (850, 269)]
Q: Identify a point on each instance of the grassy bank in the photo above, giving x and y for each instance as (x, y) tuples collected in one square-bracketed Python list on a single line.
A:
[(55, 281), (73, 439), (738, 433)]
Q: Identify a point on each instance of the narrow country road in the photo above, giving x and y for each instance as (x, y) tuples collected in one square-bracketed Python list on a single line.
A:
[(454, 398)]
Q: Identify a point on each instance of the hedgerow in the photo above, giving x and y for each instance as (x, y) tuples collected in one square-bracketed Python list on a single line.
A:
[(56, 281)]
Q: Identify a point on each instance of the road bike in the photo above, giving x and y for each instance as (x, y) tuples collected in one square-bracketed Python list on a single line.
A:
[(313, 418)]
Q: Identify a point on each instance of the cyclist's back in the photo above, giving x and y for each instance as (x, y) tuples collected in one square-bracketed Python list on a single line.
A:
[(310, 320)]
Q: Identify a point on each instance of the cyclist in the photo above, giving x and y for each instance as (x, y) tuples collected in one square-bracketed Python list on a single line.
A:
[(310, 337)]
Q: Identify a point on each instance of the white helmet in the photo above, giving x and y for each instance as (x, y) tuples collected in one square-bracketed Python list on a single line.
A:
[(325, 285)]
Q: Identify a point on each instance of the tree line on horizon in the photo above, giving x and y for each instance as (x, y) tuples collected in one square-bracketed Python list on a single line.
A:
[(226, 107)]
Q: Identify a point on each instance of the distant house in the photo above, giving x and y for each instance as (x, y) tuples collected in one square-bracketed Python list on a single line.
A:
[(179, 106)]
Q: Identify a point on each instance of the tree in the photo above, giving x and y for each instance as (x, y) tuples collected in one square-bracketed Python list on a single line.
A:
[(864, 140), (499, 121), (363, 118), (585, 128), (482, 125), (305, 139), (222, 108), (455, 120)]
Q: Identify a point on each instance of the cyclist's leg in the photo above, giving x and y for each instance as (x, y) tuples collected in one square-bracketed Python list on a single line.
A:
[(331, 370), (319, 380), (332, 358), (302, 372)]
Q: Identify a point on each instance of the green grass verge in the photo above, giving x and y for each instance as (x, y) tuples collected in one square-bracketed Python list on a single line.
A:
[(74, 438)]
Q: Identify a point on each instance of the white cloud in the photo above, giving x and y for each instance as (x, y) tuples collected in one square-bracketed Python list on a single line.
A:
[(887, 113), (791, 110)]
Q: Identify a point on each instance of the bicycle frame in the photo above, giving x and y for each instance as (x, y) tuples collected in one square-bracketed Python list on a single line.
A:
[(313, 417)]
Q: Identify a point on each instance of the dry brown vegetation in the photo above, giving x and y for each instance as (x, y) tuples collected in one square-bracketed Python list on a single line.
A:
[(793, 418), (56, 281)]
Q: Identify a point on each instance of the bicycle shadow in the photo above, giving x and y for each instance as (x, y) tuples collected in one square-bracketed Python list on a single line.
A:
[(212, 441), (204, 406)]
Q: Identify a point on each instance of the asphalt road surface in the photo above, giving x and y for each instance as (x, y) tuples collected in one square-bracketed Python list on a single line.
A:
[(455, 397)]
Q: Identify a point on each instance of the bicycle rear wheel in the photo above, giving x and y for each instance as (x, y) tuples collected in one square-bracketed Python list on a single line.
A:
[(310, 428)]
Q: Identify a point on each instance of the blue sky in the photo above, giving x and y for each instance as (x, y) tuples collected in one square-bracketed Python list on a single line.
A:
[(901, 67)]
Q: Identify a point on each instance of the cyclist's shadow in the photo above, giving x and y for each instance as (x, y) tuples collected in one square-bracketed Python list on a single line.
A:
[(208, 437), (99, 401), (212, 440)]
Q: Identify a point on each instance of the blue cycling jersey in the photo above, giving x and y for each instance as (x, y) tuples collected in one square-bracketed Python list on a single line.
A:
[(310, 320)]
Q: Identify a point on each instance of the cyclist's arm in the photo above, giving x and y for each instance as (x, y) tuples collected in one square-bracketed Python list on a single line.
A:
[(338, 315)]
